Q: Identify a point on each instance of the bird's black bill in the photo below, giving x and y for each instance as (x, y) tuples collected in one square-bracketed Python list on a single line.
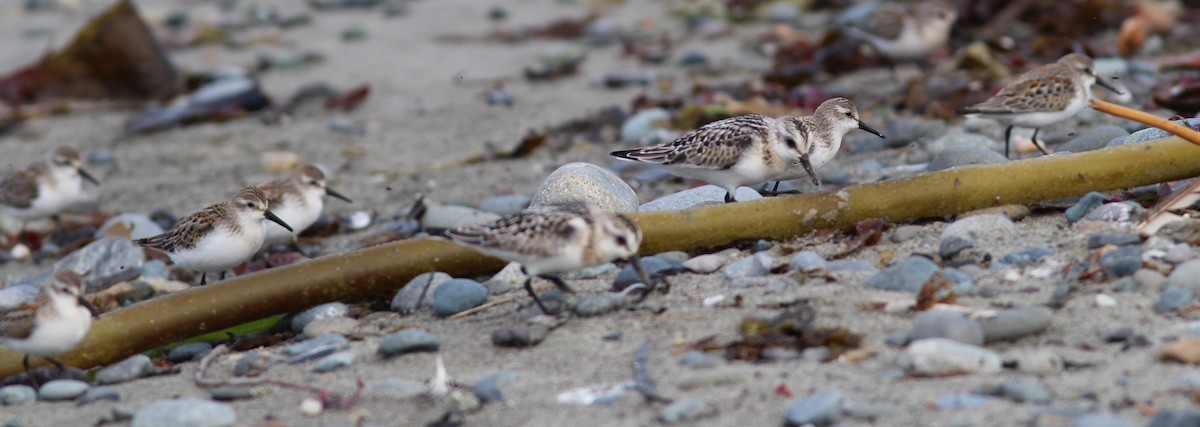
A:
[(91, 308), (637, 266), (809, 169), (271, 216), (330, 192), (88, 177), (868, 128), (1108, 86)]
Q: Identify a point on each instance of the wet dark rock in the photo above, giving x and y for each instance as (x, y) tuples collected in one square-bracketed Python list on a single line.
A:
[(488, 388), (1172, 298), (1085, 204), (600, 304), (952, 245), (332, 309), (1015, 323), (334, 361), (1121, 262), (821, 409), (408, 341), (947, 324), (126, 370), (185, 412), (457, 295), (1027, 256), (908, 275), (1100, 239)]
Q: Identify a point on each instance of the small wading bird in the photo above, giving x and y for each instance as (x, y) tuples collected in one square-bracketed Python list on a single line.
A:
[(51, 324)]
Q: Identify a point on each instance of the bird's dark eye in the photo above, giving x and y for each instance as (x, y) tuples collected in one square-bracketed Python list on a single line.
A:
[(622, 241), (1087, 70), (249, 205), (315, 183), (791, 142), (849, 114)]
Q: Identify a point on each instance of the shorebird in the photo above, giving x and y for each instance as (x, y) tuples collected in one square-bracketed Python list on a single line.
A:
[(905, 31), (297, 199), (45, 187), (51, 324)]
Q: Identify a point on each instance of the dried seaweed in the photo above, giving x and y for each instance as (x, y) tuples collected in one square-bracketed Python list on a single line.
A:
[(791, 329)]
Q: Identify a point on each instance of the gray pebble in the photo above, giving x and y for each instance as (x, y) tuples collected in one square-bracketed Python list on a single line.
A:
[(700, 359), (692, 197), (1121, 262), (1125, 284), (1117, 212), (505, 204), (1100, 239), (308, 345), (816, 354), (807, 261), (17, 394), (585, 182), (908, 275), (332, 309), (126, 370), (940, 357), (979, 227), (457, 295), (707, 263), (155, 269), (488, 388), (1149, 279), (188, 352), (1188, 382), (1027, 256), (820, 409), (406, 299), (230, 393), (898, 339), (756, 265), (334, 361), (1149, 134), (952, 245), (396, 388), (852, 265), (655, 267), (96, 394), (905, 233), (1093, 139), (408, 341), (519, 335), (185, 413), (643, 125), (253, 364), (686, 410), (1170, 418), (1024, 392), (450, 216), (1085, 204), (509, 278), (963, 283), (1179, 253), (963, 155), (330, 325), (1099, 420), (61, 390), (1040, 362), (1015, 323), (599, 304), (947, 324), (1186, 275), (1173, 297)]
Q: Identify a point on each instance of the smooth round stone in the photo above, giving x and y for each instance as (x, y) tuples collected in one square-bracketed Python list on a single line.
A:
[(816, 354), (1173, 297), (699, 196), (458, 295), (908, 275), (61, 390), (585, 182), (700, 359), (1116, 212), (1187, 381), (1179, 253), (905, 233), (332, 309), (126, 370), (952, 245), (1121, 262), (645, 124), (507, 279), (307, 346), (1085, 204), (707, 263), (488, 388), (155, 269), (137, 226), (1149, 279), (519, 335), (963, 155), (17, 394), (655, 267), (96, 394), (108, 258), (506, 204), (1100, 239), (1093, 139), (1186, 275), (977, 227), (807, 261), (1015, 323), (330, 325), (851, 265), (898, 339), (684, 410), (1125, 284), (408, 341), (1150, 134), (600, 304), (396, 388), (253, 364), (756, 265), (1024, 392), (947, 324), (1040, 362), (188, 352), (185, 413), (450, 216), (334, 361), (940, 357), (963, 283), (1099, 420), (820, 409), (406, 299), (1027, 256), (232, 393)]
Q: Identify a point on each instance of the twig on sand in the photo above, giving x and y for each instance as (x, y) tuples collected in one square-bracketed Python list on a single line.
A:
[(328, 398), (1191, 135)]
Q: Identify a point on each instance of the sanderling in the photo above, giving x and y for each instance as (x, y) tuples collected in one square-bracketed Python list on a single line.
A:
[(297, 199), (750, 149), (905, 31), (220, 236), (1043, 96), (556, 239), (51, 324), (44, 188)]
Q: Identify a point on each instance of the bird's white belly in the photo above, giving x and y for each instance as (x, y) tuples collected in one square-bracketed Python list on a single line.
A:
[(296, 217), (748, 170), (567, 260), (1044, 118), (221, 250), (53, 338)]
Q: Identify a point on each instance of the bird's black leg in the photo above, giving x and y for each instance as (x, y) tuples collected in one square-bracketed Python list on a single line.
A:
[(203, 278), (62, 370), (29, 373), (1007, 133), (536, 300), (1036, 144), (809, 168), (775, 189), (729, 197), (222, 274), (562, 286)]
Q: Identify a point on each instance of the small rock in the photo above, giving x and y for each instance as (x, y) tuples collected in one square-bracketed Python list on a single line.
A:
[(947, 324), (952, 245), (1179, 253), (1117, 212), (820, 409), (908, 275), (699, 196), (816, 354), (646, 125), (1099, 420), (61, 390), (1121, 262), (106, 260), (756, 265), (96, 394), (233, 392), (851, 265), (1100, 239), (450, 216), (253, 364), (1149, 279), (1040, 362), (406, 299), (335, 340), (940, 357), (655, 266), (126, 370), (185, 413), (701, 360), (1027, 256), (707, 263), (333, 309), (963, 284), (1186, 275), (1125, 284), (1085, 204), (1185, 350), (1024, 392), (188, 352), (1150, 134), (980, 227), (330, 325), (963, 155), (506, 204), (396, 388), (807, 261), (457, 295), (509, 278), (686, 410), (17, 395), (1093, 139), (898, 339), (408, 341), (1187, 382), (334, 361), (129, 225), (520, 335), (585, 182), (600, 304), (905, 233), (947, 402), (487, 389), (1015, 323)]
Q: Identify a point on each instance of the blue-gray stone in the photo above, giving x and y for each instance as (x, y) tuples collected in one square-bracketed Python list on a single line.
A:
[(331, 339), (952, 245), (458, 295), (599, 304), (898, 339), (488, 388), (947, 324), (13, 296), (1025, 392), (1099, 420), (17, 394), (185, 413), (408, 341), (1121, 262), (1015, 323), (820, 409), (1027, 256), (979, 226), (253, 364), (686, 410), (807, 261), (963, 283), (954, 401), (655, 266), (908, 275), (188, 352), (106, 260), (314, 353), (588, 183), (506, 204), (508, 278), (62, 390), (1170, 418), (407, 298), (126, 370), (1125, 284), (1186, 275), (1093, 139), (332, 309), (155, 269), (963, 155), (334, 361), (645, 124), (702, 195), (1117, 212), (756, 265), (1173, 297), (1085, 204), (229, 393), (854, 265), (96, 394), (1150, 134), (700, 359), (1100, 239)]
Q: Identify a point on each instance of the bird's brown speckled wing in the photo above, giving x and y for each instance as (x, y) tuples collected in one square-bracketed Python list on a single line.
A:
[(540, 231), (274, 191), (188, 232), (1047, 88), (19, 188), (18, 323), (885, 22), (717, 145)]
